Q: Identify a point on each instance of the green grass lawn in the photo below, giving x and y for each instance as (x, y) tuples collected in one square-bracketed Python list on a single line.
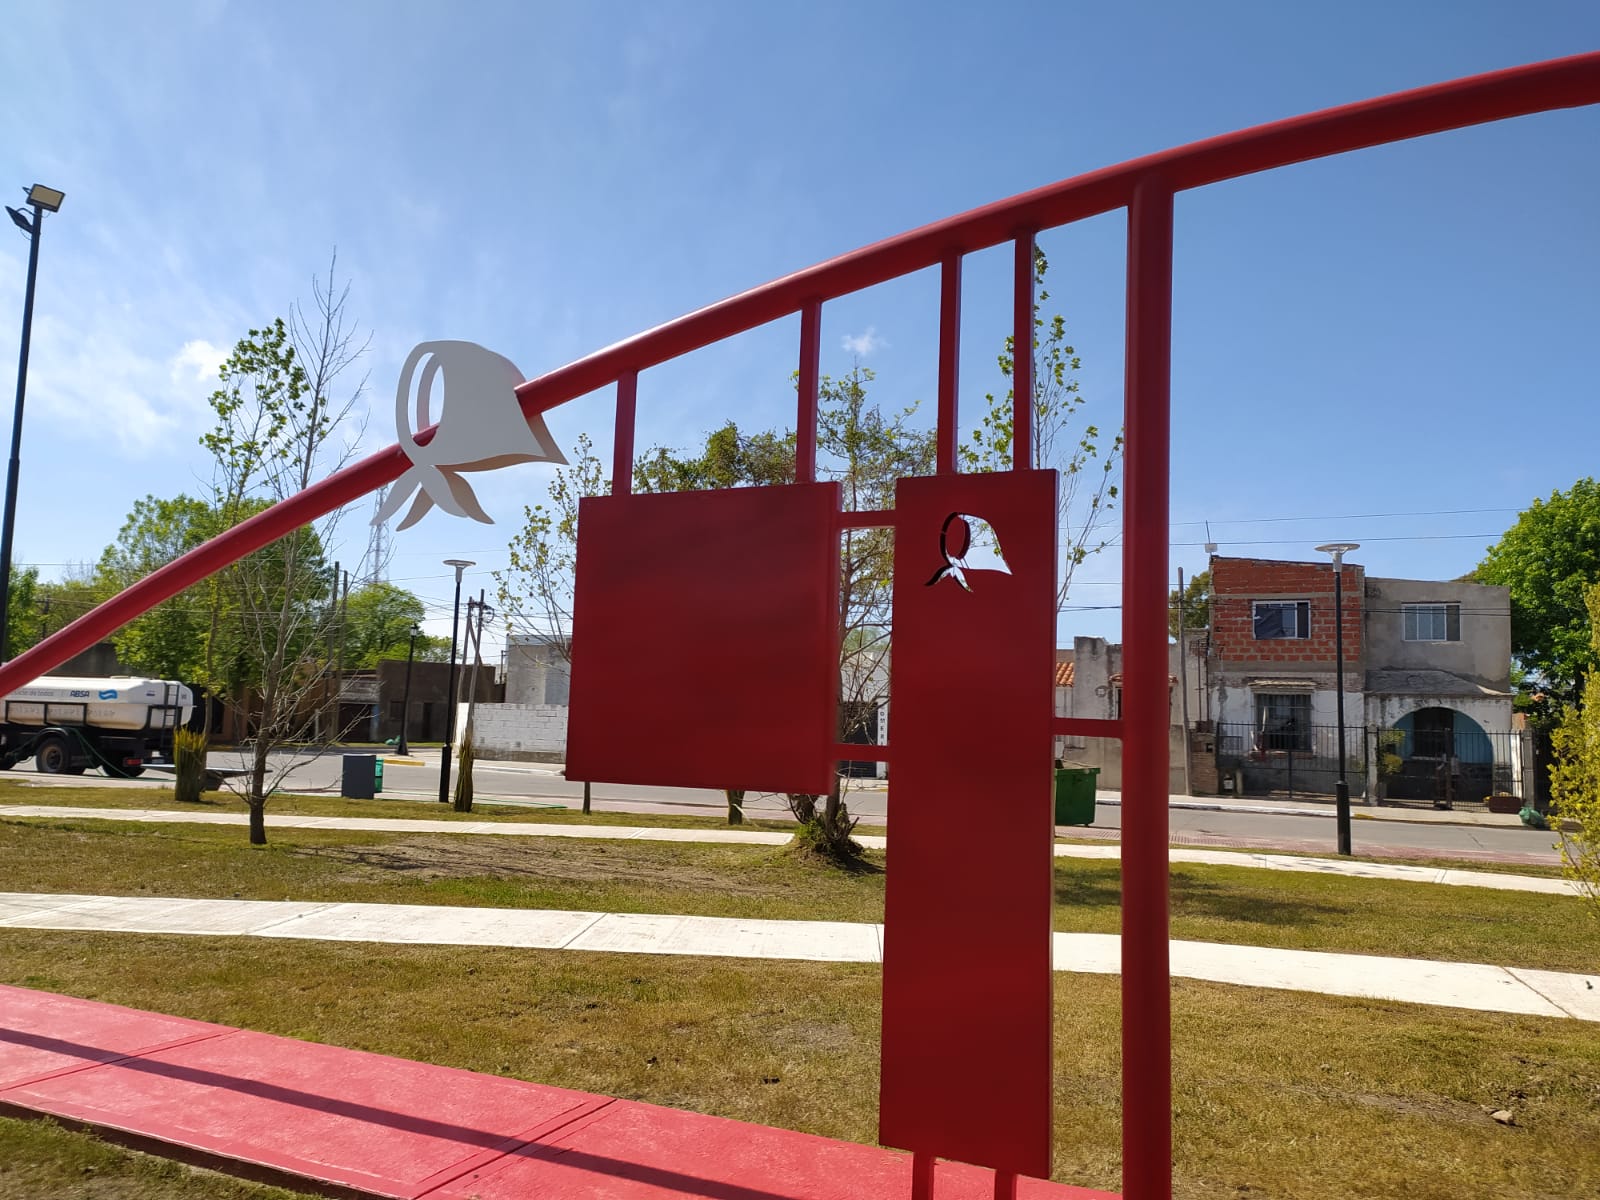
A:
[(336, 806), (1241, 905), (1288, 1095), (40, 1159)]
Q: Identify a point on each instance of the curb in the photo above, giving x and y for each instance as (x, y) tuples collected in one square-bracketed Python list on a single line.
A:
[(1356, 814)]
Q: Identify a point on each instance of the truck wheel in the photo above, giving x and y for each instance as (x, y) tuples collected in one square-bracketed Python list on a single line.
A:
[(54, 757), (124, 772)]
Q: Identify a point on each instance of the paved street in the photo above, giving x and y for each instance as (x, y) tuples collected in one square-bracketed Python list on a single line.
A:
[(1263, 824)]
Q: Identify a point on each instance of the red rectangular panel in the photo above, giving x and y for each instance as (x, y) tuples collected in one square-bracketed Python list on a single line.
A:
[(966, 967), (704, 644)]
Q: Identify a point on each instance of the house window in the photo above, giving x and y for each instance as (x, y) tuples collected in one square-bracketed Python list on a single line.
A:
[(1282, 619), (1283, 721), (1432, 622)]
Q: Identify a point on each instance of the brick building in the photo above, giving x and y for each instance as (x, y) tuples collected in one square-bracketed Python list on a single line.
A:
[(1426, 680), (1272, 645)]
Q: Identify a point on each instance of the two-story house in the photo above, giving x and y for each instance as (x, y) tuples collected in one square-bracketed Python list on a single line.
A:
[(1426, 679)]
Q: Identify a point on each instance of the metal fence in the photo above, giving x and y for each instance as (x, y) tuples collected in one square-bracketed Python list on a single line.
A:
[(1389, 766), (1303, 761)]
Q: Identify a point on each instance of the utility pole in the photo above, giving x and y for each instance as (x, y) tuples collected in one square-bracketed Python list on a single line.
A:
[(459, 565), (475, 636), (1183, 678)]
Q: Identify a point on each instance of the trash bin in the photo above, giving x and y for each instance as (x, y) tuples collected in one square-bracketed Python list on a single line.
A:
[(1075, 795), (360, 775), (377, 774)]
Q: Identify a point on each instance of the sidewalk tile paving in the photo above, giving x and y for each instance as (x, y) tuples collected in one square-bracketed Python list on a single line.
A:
[(1417, 981)]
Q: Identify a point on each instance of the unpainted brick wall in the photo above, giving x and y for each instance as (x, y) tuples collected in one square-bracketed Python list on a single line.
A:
[(517, 730), (1237, 582)]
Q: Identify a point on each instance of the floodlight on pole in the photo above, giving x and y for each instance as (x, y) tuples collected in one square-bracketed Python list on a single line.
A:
[(42, 200), (460, 565), (47, 198), (1341, 789)]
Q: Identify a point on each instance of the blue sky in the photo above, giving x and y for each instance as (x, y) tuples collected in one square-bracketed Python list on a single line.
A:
[(1398, 345)]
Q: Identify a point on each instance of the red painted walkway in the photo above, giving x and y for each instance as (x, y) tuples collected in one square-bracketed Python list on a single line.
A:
[(347, 1123)]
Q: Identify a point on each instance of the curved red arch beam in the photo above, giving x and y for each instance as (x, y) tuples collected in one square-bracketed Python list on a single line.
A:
[(1518, 91)]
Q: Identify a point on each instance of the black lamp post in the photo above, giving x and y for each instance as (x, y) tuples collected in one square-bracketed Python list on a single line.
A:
[(402, 748), (1341, 789), (42, 200), (460, 564)]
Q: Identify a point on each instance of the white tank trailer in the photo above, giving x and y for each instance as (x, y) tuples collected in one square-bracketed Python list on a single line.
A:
[(70, 724)]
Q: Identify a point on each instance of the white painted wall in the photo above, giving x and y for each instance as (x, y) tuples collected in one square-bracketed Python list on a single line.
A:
[(1493, 713), (1237, 705)]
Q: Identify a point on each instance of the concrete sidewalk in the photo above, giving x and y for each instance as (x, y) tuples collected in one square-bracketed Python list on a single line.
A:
[(1481, 987), (1353, 868)]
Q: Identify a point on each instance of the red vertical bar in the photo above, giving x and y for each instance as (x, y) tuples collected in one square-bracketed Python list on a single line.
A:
[(805, 430), (622, 445), (921, 1176), (1146, 981), (949, 360), (1022, 358)]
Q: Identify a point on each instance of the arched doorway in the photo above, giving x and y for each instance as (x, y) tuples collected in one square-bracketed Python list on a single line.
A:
[(1445, 757)]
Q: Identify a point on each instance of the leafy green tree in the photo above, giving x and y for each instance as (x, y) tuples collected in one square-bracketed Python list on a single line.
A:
[(378, 621), (22, 620), (1549, 559), (170, 640), (60, 602), (1575, 773), (1194, 605), (730, 458)]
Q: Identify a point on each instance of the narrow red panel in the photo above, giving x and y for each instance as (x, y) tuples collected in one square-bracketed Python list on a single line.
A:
[(704, 639), (966, 969)]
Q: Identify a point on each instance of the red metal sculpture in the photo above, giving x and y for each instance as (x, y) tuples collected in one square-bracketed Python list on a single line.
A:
[(1146, 188)]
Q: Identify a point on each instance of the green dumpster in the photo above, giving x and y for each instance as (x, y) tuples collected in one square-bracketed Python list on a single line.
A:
[(1075, 795), (377, 776)]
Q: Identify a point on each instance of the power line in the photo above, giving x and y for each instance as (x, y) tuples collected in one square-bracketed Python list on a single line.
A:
[(1436, 512)]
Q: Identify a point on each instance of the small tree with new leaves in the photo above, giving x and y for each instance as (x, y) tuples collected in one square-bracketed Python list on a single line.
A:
[(1086, 457), (276, 419), (1575, 774)]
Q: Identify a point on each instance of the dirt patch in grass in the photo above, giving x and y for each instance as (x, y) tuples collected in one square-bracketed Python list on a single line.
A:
[(63, 855), (1294, 1096), (427, 858)]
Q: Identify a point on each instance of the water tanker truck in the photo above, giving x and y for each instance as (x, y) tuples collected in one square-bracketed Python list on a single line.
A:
[(70, 724)]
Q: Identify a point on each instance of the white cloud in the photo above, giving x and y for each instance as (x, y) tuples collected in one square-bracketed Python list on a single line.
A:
[(198, 360), (863, 344)]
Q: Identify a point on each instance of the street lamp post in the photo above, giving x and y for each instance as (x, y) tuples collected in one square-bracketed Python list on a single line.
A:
[(460, 564), (1341, 789), (402, 747), (42, 200)]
